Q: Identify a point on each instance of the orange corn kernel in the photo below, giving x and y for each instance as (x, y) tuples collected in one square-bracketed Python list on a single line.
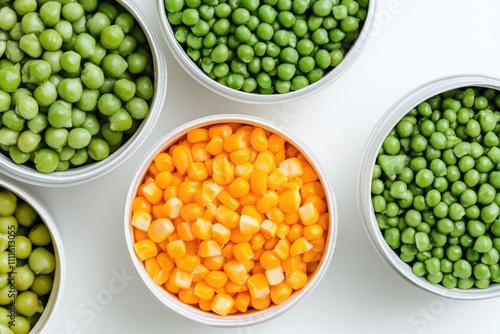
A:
[(280, 293), (292, 263), (269, 260), (249, 199), (283, 230), (163, 179), (192, 247), (275, 143), (276, 215), (160, 229), (202, 229), (145, 249), (257, 269), (261, 303), (280, 156), (223, 170), (265, 162), (220, 233), (181, 278), (271, 243), (296, 231), (258, 286), (200, 273), (141, 203), (188, 262), (215, 145), (258, 139), (291, 218), (239, 187), (276, 179), (319, 243), (242, 301), (192, 211), (157, 211), (187, 296), (312, 231), (243, 252), (228, 200), (197, 135), (185, 232), (268, 228), (235, 141), (203, 291), (300, 246), (222, 304), (208, 193), (197, 171), (282, 249), (176, 248), (147, 180), (164, 162), (310, 256), (258, 182), (240, 156), (177, 179), (199, 152), (209, 248), (216, 279), (165, 262), (187, 190), (290, 201), (274, 276), (237, 236), (222, 130), (205, 305), (141, 220), (235, 271), (210, 211), (296, 280), (214, 262), (319, 203), (257, 241), (324, 221), (152, 267), (291, 167), (182, 158), (140, 234), (309, 174), (233, 288), (227, 250), (152, 193), (292, 151), (248, 225), (153, 169), (268, 201), (244, 170), (170, 192), (170, 287), (227, 217), (308, 214)]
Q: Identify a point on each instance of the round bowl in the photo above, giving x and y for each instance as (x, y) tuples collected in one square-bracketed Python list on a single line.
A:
[(56, 293), (194, 313), (374, 143), (84, 173), (254, 98)]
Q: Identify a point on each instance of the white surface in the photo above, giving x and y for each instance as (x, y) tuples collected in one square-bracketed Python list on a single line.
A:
[(414, 42)]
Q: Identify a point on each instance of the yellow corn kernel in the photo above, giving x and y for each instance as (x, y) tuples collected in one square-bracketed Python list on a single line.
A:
[(152, 192), (265, 162), (220, 233), (249, 199), (233, 288), (296, 231), (276, 179), (228, 200), (182, 158), (227, 217), (268, 201), (207, 193), (209, 248), (237, 236), (161, 278), (244, 170), (200, 273), (258, 182), (202, 229), (215, 145), (188, 262), (222, 130), (235, 271), (319, 243), (192, 246), (185, 232), (187, 296), (163, 179), (261, 303), (222, 170), (214, 262), (222, 304), (271, 243), (257, 241), (243, 252), (203, 291), (258, 286), (290, 201), (180, 278), (160, 229), (257, 269), (280, 156), (258, 139), (292, 263), (152, 267), (275, 143), (191, 211), (276, 215), (197, 171), (199, 152), (171, 288), (141, 220), (187, 190), (282, 249), (269, 260), (197, 135), (235, 141), (309, 174), (165, 262), (312, 232), (210, 211), (239, 188), (296, 280), (324, 221), (140, 234), (319, 203), (292, 184), (164, 162), (274, 276), (308, 214), (300, 246), (242, 301), (309, 256), (268, 228), (205, 305), (280, 293), (291, 167), (291, 218), (176, 248), (170, 192), (227, 251), (216, 279), (248, 225), (145, 249), (240, 156)]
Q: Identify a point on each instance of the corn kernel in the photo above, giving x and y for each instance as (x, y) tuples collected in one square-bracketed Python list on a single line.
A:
[(274, 276), (269, 228), (160, 229), (180, 278), (227, 217), (244, 170), (188, 262), (300, 246), (235, 271), (209, 248), (268, 201), (222, 304), (228, 200), (182, 158), (242, 301), (203, 291), (176, 248), (258, 182), (248, 225), (282, 249), (296, 280), (243, 252), (258, 139), (280, 293), (202, 229), (290, 201), (223, 171), (216, 279), (187, 190), (308, 214), (141, 220), (258, 286), (145, 249)]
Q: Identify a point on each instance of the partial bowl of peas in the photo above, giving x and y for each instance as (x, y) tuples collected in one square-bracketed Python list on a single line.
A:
[(32, 266), (266, 51), (81, 86), (230, 221), (428, 188)]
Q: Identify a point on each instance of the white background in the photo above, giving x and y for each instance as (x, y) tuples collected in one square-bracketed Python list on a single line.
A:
[(414, 41)]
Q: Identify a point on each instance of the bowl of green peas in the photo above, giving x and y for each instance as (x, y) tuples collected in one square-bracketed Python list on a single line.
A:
[(32, 262), (81, 86), (266, 51), (429, 187)]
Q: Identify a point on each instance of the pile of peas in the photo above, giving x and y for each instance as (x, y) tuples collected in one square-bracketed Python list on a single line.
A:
[(435, 188), (273, 46), (75, 81), (27, 265)]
